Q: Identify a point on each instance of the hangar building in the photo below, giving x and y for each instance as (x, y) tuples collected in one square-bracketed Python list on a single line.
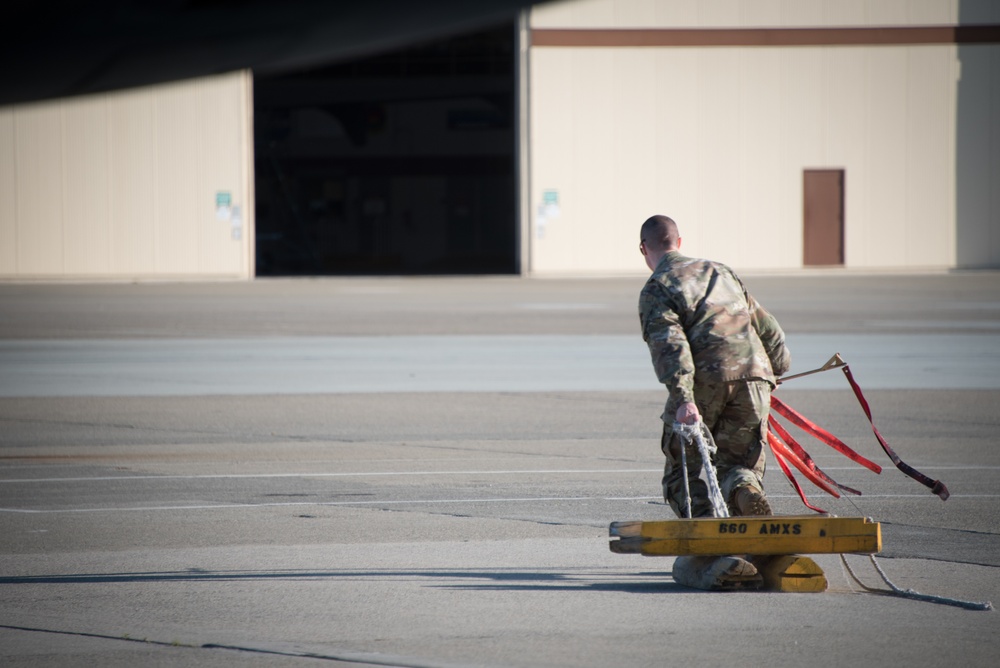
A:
[(861, 134)]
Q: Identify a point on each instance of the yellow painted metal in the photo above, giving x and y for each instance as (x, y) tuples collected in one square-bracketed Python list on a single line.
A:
[(790, 534), (790, 573)]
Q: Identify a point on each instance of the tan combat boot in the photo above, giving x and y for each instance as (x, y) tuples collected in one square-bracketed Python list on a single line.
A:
[(716, 573), (751, 501)]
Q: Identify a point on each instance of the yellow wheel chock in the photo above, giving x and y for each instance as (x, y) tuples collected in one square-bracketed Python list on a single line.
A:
[(774, 543)]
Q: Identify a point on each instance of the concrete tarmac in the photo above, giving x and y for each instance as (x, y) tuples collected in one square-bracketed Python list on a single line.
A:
[(421, 472)]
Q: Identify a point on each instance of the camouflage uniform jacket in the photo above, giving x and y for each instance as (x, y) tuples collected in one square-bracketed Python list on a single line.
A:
[(702, 326)]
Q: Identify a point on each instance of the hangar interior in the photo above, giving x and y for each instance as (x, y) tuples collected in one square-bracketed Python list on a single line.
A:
[(401, 163)]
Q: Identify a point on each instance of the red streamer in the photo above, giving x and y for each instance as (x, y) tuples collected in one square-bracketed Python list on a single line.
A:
[(936, 486), (821, 434), (791, 478), (801, 453)]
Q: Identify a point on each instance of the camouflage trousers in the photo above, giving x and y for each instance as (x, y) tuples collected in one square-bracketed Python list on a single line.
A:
[(736, 415)]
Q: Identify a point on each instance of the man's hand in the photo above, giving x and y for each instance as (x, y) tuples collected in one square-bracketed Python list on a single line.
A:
[(688, 413)]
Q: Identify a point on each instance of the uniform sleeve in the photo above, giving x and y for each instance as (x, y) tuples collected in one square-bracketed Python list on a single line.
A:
[(771, 336), (668, 345)]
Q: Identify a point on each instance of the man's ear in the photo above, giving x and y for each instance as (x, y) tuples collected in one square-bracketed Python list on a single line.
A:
[(679, 240)]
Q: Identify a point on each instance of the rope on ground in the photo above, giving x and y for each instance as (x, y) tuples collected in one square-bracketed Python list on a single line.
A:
[(909, 593)]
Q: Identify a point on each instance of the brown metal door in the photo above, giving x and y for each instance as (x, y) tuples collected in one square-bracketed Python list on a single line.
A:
[(823, 217)]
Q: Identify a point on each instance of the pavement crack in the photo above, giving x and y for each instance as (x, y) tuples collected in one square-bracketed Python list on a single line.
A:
[(344, 657), (103, 636), (71, 423), (944, 560), (960, 546)]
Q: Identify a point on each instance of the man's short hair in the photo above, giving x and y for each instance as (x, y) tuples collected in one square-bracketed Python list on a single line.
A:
[(659, 233)]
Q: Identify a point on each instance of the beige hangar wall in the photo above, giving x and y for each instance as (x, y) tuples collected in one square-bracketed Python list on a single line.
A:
[(129, 185), (718, 136)]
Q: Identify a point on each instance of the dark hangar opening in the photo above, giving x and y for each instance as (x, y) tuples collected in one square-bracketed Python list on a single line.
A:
[(402, 163)]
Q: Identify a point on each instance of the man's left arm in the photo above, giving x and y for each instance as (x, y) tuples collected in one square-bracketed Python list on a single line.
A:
[(771, 335)]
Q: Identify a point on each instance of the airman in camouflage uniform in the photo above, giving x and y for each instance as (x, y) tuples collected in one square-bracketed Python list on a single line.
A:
[(718, 353)]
